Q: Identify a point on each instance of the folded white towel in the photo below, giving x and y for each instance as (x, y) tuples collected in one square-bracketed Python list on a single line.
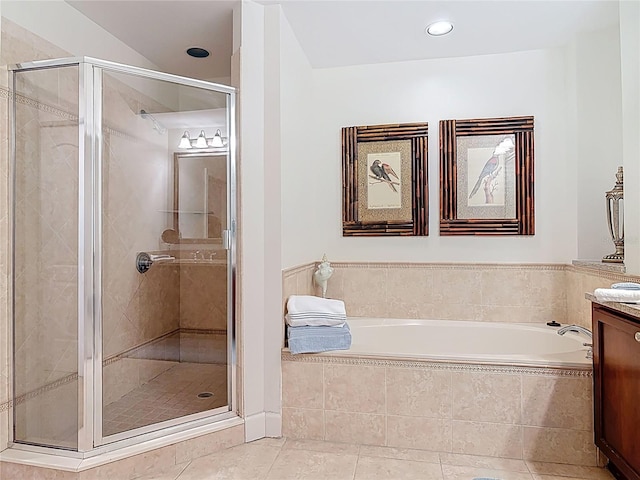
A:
[(306, 310), (314, 321), (617, 295), (299, 304)]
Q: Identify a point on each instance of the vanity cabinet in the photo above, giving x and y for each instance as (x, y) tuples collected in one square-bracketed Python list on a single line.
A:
[(616, 363)]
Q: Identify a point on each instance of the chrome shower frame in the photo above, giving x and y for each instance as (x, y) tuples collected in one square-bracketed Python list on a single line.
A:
[(91, 441)]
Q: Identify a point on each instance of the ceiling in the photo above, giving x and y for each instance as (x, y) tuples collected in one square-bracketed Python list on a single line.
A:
[(336, 33), (162, 31)]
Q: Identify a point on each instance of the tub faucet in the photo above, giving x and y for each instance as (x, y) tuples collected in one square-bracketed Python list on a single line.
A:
[(579, 329), (574, 328)]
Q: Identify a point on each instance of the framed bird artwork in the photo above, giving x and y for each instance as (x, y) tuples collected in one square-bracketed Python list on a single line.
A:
[(384, 180), (487, 176)]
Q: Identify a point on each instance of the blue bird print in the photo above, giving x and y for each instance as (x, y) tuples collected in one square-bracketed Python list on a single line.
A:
[(487, 170)]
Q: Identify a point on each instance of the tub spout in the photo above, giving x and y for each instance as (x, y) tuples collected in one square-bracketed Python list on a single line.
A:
[(574, 328)]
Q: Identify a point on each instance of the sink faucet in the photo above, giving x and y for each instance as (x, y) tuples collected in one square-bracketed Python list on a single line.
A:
[(574, 328)]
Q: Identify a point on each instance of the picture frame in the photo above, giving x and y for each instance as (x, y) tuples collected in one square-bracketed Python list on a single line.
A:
[(487, 176), (384, 180)]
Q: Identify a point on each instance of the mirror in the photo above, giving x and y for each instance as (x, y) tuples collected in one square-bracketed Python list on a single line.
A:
[(199, 196)]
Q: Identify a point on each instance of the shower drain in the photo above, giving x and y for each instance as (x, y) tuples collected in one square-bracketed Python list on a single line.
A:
[(205, 395)]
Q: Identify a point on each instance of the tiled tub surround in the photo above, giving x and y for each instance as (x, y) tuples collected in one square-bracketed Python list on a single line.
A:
[(532, 413), (536, 413), (456, 291)]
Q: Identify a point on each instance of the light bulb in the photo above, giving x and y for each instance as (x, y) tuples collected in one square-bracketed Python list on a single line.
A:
[(439, 28)]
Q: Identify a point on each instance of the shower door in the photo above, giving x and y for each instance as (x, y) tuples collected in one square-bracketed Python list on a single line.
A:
[(165, 316), (45, 257), (123, 272)]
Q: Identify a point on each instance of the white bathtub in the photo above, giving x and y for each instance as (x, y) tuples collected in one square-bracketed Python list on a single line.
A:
[(477, 342)]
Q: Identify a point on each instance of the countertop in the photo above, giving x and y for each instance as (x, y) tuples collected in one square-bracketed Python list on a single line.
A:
[(600, 266), (626, 308)]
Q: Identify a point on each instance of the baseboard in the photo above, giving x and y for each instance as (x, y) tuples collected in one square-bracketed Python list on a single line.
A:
[(254, 427), (273, 424), (57, 460)]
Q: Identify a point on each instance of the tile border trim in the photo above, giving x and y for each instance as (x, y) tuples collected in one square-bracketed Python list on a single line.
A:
[(58, 112), (609, 275), (506, 369), (578, 267), (30, 102), (453, 266), (298, 268), (38, 391)]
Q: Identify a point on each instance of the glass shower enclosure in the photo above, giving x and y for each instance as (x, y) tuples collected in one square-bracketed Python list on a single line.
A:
[(123, 228)]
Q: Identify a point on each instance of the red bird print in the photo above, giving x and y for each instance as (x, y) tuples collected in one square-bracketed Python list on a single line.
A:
[(389, 171), (382, 172)]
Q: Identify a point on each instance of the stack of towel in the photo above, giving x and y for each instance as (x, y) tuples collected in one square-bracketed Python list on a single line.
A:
[(626, 292), (316, 324)]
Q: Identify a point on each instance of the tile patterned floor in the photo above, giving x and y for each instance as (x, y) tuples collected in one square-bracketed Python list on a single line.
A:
[(288, 459), (172, 394)]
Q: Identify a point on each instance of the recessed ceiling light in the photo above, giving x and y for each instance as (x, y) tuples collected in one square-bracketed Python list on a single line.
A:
[(197, 52), (438, 29)]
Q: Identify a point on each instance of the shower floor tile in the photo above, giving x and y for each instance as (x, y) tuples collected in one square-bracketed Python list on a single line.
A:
[(171, 394)]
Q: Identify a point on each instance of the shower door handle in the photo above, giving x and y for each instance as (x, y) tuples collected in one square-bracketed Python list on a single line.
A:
[(226, 239)]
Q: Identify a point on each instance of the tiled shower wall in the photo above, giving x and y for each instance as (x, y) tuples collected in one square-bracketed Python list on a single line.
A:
[(203, 295), (138, 308), (16, 45), (479, 292)]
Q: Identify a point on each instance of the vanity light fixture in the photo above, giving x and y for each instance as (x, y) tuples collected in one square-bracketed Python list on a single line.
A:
[(201, 141), (217, 141), (440, 28), (185, 141)]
